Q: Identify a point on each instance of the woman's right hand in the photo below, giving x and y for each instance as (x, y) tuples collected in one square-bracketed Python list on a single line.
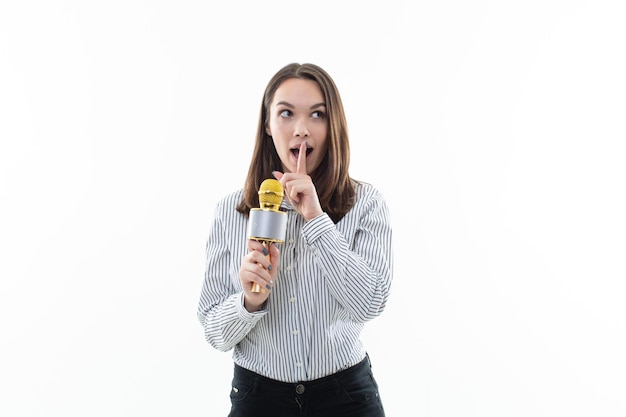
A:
[(259, 266)]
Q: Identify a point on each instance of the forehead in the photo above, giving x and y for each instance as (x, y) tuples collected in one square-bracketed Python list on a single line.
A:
[(298, 91)]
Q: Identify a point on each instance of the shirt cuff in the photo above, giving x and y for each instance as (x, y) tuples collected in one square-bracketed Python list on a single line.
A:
[(244, 314), (316, 227)]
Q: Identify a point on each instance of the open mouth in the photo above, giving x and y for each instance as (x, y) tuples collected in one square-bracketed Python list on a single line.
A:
[(296, 151)]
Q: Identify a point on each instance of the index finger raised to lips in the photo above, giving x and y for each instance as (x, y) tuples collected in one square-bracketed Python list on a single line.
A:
[(301, 167)]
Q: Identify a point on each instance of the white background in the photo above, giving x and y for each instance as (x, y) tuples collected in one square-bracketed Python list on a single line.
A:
[(495, 129)]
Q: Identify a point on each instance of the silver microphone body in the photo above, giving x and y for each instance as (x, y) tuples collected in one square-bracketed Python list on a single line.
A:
[(267, 225)]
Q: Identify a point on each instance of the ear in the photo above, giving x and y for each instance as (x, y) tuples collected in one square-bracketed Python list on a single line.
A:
[(267, 130)]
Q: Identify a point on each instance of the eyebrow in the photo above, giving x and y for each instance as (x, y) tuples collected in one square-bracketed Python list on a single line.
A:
[(291, 106)]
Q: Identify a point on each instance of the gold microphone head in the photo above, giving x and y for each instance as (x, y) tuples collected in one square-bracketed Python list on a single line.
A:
[(270, 194)]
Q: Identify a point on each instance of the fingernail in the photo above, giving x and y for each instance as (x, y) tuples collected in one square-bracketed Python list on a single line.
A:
[(269, 267), (268, 287), (265, 252)]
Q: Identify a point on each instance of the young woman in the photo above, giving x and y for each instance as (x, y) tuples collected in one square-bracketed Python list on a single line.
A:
[(296, 346)]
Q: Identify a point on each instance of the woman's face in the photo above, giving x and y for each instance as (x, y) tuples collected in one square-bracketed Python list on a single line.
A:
[(297, 113)]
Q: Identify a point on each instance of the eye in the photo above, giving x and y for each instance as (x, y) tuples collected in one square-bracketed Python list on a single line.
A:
[(285, 113), (318, 115)]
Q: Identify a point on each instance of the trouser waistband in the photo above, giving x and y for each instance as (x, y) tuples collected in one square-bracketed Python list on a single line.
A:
[(319, 382)]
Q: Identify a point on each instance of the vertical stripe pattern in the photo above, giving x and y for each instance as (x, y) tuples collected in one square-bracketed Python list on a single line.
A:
[(332, 279)]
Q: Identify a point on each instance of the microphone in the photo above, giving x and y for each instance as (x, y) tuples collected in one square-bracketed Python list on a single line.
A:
[(267, 224)]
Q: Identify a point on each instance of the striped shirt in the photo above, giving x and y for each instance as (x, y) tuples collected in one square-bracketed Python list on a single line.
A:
[(332, 279)]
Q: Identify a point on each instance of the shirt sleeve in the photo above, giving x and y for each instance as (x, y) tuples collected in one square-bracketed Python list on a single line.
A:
[(358, 271), (221, 309)]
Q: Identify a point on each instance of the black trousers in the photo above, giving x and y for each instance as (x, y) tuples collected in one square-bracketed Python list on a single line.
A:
[(352, 392)]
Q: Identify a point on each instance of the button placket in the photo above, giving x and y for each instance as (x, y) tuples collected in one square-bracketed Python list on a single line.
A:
[(290, 270)]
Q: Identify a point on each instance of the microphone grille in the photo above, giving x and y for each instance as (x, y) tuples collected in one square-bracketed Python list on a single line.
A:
[(270, 193)]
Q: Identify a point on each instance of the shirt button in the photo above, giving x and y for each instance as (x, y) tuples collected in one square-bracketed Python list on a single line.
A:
[(300, 389), (291, 241), (289, 268), (298, 364), (295, 332), (292, 300)]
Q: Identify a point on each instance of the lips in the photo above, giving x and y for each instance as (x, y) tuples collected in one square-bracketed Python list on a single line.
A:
[(296, 151)]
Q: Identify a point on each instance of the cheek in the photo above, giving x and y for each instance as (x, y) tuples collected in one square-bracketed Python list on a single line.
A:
[(322, 131), (277, 130)]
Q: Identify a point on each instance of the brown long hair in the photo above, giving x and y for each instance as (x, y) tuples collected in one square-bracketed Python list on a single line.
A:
[(332, 180)]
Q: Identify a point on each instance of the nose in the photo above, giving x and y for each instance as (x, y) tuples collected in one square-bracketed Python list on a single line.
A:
[(301, 129)]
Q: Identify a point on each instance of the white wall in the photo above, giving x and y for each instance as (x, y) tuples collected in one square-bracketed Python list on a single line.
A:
[(495, 129)]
